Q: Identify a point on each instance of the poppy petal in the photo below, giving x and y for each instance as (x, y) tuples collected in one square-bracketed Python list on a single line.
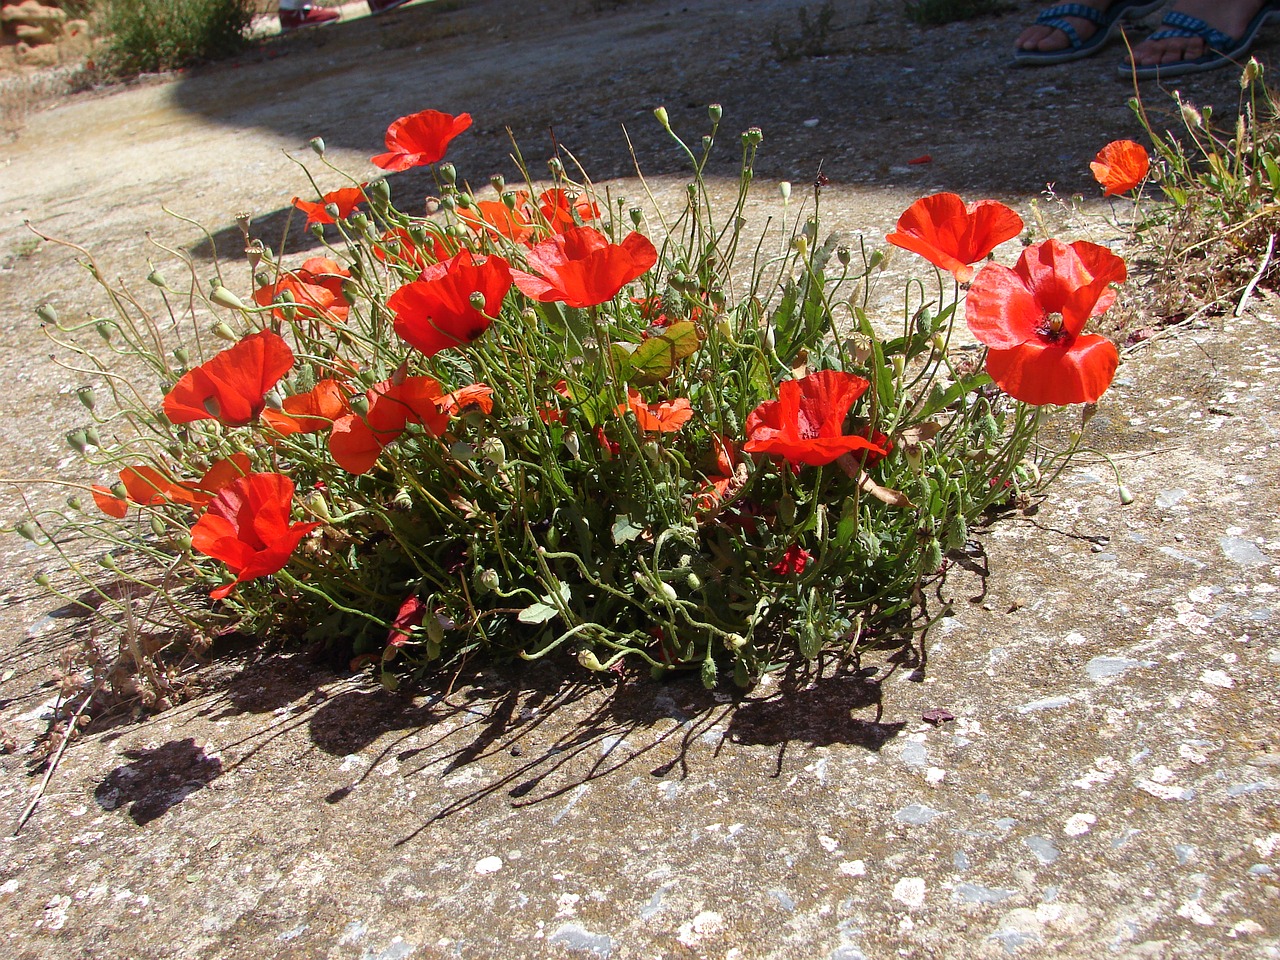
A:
[(1038, 373)]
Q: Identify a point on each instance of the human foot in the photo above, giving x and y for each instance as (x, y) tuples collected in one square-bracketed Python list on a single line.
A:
[(1201, 35), (1069, 31)]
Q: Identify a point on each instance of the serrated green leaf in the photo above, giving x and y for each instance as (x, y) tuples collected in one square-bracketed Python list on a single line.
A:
[(653, 360), (624, 531)]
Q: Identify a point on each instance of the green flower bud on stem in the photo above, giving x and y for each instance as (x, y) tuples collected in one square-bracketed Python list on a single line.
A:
[(104, 330), (223, 331), (661, 114), (222, 296), (317, 145)]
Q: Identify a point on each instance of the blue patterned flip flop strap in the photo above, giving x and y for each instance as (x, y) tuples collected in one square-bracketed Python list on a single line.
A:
[(1183, 26), (1053, 18)]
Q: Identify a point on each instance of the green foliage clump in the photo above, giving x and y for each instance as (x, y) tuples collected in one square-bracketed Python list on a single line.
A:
[(149, 36)]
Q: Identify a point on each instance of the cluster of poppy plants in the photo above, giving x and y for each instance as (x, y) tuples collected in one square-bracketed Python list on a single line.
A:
[(566, 389)]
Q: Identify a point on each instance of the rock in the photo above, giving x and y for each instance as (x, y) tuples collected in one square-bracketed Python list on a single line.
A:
[(37, 32), (42, 55), (32, 12)]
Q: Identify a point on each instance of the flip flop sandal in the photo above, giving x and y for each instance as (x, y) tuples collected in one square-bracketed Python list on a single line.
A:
[(1223, 50), (1105, 21)]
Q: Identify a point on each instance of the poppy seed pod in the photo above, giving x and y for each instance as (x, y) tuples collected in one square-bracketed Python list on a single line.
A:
[(715, 112), (47, 313), (75, 503), (637, 215), (223, 331), (41, 579), (222, 296), (26, 529), (104, 330), (448, 173), (661, 114), (784, 191), (86, 397), (590, 661), (91, 435), (182, 355), (498, 182), (378, 192), (77, 440), (317, 145), (556, 167), (753, 136), (487, 581)]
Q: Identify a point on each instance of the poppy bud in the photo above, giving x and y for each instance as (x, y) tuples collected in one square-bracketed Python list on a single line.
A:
[(715, 112), (222, 296), (589, 660), (1192, 117), (661, 114), (26, 529), (1126, 497), (931, 559), (104, 330), (899, 364), (707, 142), (957, 533), (1252, 71), (770, 339), (223, 331), (668, 591), (709, 673), (572, 444), (556, 167), (636, 215), (157, 525), (85, 396), (498, 182), (448, 173), (435, 629), (800, 244), (784, 190), (787, 511), (317, 145), (378, 192), (77, 440), (182, 355), (41, 579), (752, 136), (693, 582)]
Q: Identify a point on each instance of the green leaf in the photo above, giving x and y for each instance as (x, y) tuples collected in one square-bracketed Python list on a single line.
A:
[(654, 359), (942, 399), (544, 609), (624, 531)]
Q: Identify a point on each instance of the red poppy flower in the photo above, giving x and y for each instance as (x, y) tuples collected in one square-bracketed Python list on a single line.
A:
[(409, 616), (247, 527), (420, 139), (145, 485), (560, 208), (1031, 318), (346, 200), (398, 245), (310, 412), (950, 235), (493, 218), (721, 483), (356, 441), (551, 412), (663, 417), (434, 312), (806, 423), (315, 290), (1120, 166), (232, 386), (478, 396), (581, 268), (794, 559)]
